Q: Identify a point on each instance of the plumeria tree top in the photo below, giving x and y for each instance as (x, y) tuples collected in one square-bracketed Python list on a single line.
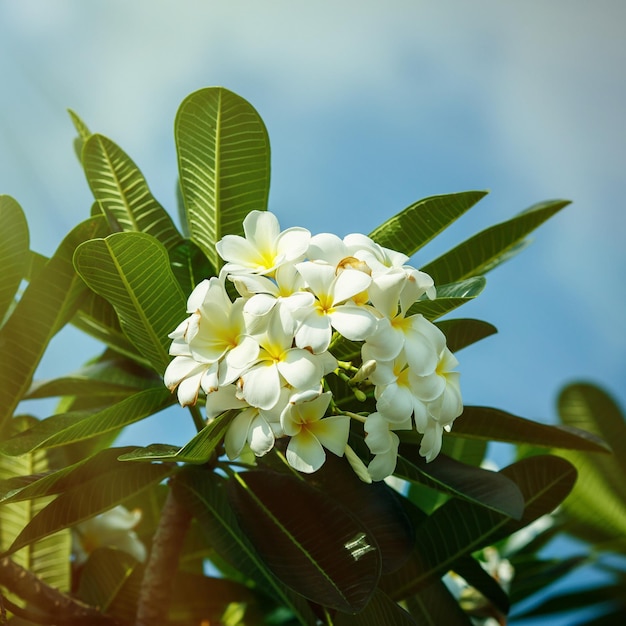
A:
[(316, 369)]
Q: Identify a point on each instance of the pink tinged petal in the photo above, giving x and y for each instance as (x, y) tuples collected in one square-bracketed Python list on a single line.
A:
[(348, 284), (327, 247), (260, 437), (300, 368), (352, 321), (305, 453), (332, 432), (237, 433), (395, 403), (292, 243), (314, 332), (261, 385)]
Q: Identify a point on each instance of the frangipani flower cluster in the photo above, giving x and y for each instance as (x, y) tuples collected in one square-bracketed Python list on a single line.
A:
[(268, 351)]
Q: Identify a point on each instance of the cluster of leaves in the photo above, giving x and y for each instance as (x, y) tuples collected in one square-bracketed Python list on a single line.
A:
[(288, 548)]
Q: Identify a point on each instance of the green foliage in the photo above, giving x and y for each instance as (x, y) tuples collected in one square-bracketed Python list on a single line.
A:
[(289, 548)]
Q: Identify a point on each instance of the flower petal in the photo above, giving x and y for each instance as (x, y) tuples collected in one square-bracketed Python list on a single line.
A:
[(305, 453), (261, 385), (332, 432)]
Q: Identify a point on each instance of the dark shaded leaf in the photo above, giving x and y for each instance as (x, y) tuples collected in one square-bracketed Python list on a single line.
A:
[(379, 610), (493, 424), (461, 333), (46, 305), (308, 541)]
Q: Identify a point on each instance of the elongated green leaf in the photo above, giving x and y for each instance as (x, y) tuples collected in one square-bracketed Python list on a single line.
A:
[(449, 297), (31, 485), (47, 303), (597, 506), (491, 424), (49, 557), (198, 450), (67, 428), (459, 528), (420, 222), (83, 133), (203, 493), (308, 540), (14, 255), (461, 333), (90, 498), (381, 609), (110, 580), (375, 506), (474, 484), (122, 191), (224, 164), (97, 318), (190, 265), (131, 270), (489, 248), (435, 605)]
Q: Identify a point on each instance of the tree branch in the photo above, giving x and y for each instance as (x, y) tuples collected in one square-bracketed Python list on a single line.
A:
[(156, 588), (49, 602)]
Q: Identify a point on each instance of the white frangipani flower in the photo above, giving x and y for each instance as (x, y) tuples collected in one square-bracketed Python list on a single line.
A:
[(383, 443), (310, 432), (332, 307), (264, 247), (113, 529)]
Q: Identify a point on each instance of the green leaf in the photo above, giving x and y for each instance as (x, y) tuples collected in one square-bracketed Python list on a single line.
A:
[(224, 164), (449, 297), (48, 558), (491, 424), (110, 580), (97, 318), (190, 265), (203, 493), (474, 484), (307, 540), (67, 428), (47, 303), (197, 451), (122, 191), (435, 605), (14, 254), (480, 579), (597, 506), (29, 485), (459, 528), (131, 270), (90, 498), (83, 133), (109, 377), (420, 222), (487, 249), (461, 333), (379, 610)]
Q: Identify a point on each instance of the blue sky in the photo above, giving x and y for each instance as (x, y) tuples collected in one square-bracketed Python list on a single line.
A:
[(369, 107)]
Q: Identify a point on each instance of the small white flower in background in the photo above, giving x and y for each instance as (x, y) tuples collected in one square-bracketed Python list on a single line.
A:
[(111, 529), (267, 353)]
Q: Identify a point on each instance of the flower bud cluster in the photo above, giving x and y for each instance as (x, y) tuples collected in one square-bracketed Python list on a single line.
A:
[(267, 351)]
